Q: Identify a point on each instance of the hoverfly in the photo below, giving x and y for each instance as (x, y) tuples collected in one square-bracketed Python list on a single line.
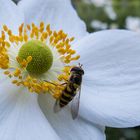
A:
[(71, 92)]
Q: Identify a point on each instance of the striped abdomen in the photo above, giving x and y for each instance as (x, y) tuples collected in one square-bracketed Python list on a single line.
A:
[(67, 94), (70, 90)]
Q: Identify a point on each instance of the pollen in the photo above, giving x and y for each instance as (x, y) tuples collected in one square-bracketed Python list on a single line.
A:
[(27, 58)]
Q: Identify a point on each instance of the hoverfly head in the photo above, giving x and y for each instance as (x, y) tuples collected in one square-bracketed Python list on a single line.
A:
[(78, 69)]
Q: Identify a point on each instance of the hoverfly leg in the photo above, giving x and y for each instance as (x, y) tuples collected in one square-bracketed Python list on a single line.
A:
[(50, 82), (63, 84), (54, 84)]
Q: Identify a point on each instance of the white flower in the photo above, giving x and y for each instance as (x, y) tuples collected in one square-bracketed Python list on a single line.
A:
[(110, 89)]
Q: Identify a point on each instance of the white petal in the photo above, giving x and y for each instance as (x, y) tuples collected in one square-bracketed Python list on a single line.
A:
[(2, 76), (59, 13), (21, 117), (10, 15), (111, 85), (66, 127)]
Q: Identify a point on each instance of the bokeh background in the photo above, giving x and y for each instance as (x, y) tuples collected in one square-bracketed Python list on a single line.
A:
[(111, 14)]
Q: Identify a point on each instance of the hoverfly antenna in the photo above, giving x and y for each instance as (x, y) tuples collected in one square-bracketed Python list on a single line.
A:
[(80, 65)]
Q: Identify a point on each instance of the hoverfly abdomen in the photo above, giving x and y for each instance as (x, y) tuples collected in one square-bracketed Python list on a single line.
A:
[(67, 95)]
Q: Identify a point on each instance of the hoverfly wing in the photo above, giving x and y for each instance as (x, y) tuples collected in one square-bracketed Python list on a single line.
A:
[(56, 107), (75, 104)]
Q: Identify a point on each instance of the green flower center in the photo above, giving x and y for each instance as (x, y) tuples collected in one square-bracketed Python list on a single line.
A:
[(42, 57)]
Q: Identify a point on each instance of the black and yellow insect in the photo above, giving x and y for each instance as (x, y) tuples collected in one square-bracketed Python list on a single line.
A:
[(71, 91)]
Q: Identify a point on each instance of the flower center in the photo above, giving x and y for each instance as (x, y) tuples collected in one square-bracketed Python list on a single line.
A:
[(42, 57), (37, 58)]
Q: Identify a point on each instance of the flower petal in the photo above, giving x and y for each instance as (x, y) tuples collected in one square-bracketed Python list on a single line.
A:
[(21, 117), (111, 84), (66, 127), (2, 76), (10, 15), (58, 13)]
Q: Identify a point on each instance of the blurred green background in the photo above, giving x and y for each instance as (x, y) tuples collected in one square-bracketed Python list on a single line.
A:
[(110, 14)]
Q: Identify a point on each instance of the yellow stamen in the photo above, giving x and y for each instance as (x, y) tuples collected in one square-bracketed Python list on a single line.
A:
[(5, 28), (14, 81), (58, 40), (7, 72)]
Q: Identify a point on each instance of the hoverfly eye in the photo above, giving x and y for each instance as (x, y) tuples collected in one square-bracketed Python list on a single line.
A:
[(82, 72), (73, 69)]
